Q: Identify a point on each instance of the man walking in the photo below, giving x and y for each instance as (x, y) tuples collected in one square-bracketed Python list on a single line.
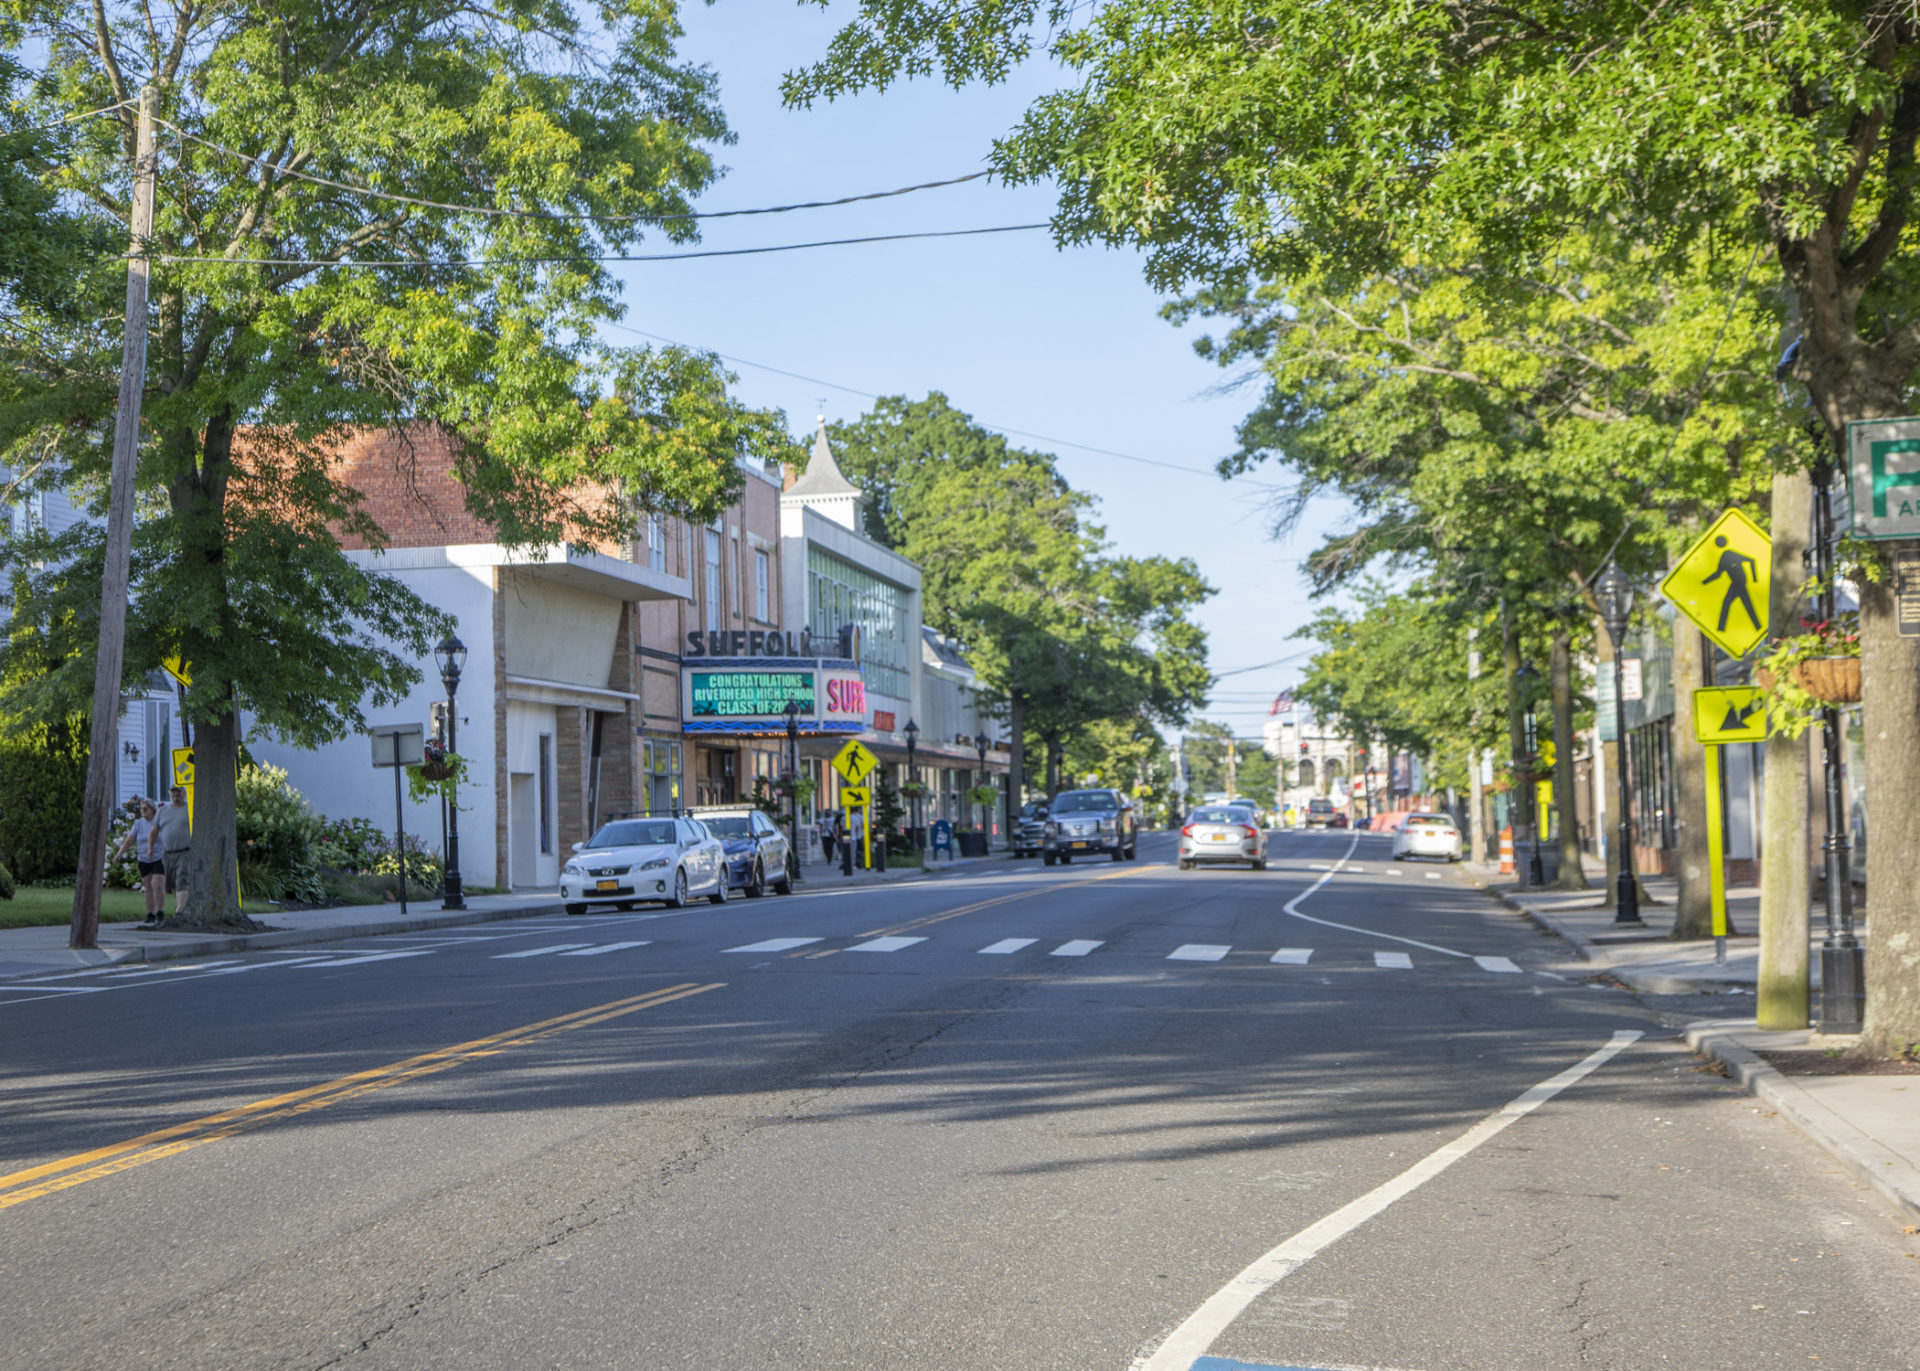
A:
[(173, 835)]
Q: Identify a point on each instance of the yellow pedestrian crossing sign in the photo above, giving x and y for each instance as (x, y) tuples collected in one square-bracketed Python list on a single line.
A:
[(852, 795), (855, 762), (183, 766), (1730, 714), (1721, 584)]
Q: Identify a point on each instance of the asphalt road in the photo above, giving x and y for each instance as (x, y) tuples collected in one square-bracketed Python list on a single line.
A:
[(1093, 1118)]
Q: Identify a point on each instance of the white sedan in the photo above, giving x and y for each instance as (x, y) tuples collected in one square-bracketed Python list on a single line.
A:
[(630, 860), (1222, 833), (1427, 835)]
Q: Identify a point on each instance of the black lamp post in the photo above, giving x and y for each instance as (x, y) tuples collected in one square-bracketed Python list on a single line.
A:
[(912, 730), (1536, 870), (792, 711), (451, 658), (980, 741), (1615, 593)]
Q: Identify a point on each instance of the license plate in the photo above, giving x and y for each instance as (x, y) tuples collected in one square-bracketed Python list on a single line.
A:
[(1216, 837), (1079, 844), (608, 885)]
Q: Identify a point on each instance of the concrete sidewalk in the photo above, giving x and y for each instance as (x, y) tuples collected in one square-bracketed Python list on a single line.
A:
[(1869, 1124), (42, 951)]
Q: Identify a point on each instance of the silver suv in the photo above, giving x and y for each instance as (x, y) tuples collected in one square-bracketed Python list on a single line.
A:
[(1081, 823)]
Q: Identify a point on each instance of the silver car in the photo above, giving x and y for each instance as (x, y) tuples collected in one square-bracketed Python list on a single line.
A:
[(629, 860), (1427, 835), (1222, 833)]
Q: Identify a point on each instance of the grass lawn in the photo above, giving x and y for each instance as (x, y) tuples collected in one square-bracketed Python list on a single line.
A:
[(32, 907)]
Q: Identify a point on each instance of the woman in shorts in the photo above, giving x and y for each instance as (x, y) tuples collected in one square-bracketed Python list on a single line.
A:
[(153, 878)]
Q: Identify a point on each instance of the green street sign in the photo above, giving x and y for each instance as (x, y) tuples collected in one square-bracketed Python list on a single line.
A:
[(1883, 477)]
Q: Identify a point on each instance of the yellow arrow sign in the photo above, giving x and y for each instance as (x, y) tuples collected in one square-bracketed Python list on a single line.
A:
[(1721, 584), (851, 795), (1730, 714), (855, 762), (176, 668), (183, 766)]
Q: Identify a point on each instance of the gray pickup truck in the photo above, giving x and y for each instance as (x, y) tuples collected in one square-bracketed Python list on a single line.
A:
[(1085, 823)]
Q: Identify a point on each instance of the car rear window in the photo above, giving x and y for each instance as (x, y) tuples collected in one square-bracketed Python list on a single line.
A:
[(1429, 821), (1220, 816), (1320, 806)]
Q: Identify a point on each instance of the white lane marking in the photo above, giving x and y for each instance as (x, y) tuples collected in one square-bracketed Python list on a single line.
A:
[(271, 966), (603, 949), (1006, 945), (774, 945), (1395, 871), (1496, 964), (361, 959), (1322, 866), (1393, 961), (538, 951), (1198, 952), (884, 944), (1292, 956), (172, 969), (33, 987), (1079, 947), (1432, 875), (1190, 1341), (1293, 907)]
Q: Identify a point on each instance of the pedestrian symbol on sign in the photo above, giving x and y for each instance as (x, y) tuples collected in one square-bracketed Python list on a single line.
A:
[(1721, 583)]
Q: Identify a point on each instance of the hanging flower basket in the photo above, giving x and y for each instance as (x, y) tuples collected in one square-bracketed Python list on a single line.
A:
[(1832, 680), (439, 764)]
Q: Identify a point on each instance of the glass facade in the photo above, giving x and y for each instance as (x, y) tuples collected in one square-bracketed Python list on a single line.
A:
[(839, 593)]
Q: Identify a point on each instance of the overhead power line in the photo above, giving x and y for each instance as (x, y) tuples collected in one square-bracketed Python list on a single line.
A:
[(984, 423), (589, 257), (72, 118), (500, 212)]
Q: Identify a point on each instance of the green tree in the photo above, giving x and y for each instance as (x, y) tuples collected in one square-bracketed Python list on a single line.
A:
[(1236, 144), (308, 280), (1062, 630)]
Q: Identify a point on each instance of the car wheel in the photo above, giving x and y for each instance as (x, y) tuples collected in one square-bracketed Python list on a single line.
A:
[(1066, 859), (576, 908), (757, 883), (678, 900), (720, 891), (1133, 852), (1185, 865), (1260, 865), (623, 905), (1119, 854), (1049, 859)]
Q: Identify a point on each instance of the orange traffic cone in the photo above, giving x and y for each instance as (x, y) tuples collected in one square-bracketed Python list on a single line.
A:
[(1506, 850)]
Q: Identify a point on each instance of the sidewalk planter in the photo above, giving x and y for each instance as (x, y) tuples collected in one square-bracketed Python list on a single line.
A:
[(972, 842)]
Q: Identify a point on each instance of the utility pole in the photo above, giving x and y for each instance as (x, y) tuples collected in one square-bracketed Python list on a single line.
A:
[(1232, 757), (104, 747)]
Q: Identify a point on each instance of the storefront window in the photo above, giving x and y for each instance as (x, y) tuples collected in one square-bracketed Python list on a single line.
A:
[(662, 763), (845, 594)]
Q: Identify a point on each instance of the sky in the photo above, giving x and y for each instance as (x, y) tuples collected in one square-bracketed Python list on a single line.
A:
[(1068, 345)]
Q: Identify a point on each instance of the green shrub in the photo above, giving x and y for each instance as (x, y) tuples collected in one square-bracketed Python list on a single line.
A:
[(6, 884), (43, 785), (350, 845), (279, 836), (123, 872)]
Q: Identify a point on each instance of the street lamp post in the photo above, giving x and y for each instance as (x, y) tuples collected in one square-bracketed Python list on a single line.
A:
[(792, 711), (980, 741), (1843, 968), (1536, 870), (1615, 593), (451, 658), (912, 730)]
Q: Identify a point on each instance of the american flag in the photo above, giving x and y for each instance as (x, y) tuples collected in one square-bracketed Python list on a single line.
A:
[(1282, 703)]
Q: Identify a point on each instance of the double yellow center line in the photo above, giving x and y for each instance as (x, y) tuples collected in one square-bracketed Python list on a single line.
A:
[(68, 1172)]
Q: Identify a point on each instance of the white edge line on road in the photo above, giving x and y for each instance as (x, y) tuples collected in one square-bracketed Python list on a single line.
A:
[(1292, 907), (1190, 1340)]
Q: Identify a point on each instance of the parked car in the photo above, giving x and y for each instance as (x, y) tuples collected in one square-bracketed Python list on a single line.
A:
[(1427, 835), (649, 858), (1084, 822), (1030, 829), (1222, 833), (1321, 814), (755, 845), (1339, 819)]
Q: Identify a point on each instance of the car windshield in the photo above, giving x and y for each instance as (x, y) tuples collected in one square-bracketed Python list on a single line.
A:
[(730, 826), (1320, 806), (634, 833), (1218, 816), (1082, 801)]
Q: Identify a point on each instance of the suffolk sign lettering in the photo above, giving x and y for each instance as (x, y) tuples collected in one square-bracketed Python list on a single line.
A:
[(771, 642)]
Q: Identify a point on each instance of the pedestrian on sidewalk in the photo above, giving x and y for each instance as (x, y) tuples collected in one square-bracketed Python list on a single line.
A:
[(147, 857), (173, 836), (829, 825)]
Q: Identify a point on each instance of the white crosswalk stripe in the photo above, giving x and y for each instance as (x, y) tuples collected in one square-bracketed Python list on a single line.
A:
[(1292, 956), (603, 949), (537, 951), (774, 945), (1198, 952), (1006, 945), (885, 944), (1079, 947), (362, 958), (1495, 964), (1393, 961)]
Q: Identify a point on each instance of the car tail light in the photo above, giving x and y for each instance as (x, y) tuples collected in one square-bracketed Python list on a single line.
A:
[(1252, 832), (1187, 832)]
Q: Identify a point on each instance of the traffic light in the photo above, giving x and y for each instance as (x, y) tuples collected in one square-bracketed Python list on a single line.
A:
[(1303, 749)]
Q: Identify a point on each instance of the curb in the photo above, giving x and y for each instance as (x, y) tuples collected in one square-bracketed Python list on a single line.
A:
[(1866, 1160), (1646, 982)]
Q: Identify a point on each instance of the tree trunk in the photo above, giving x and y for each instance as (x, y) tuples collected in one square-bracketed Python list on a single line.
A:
[(1016, 754), (1522, 806), (1890, 698), (1785, 878), (1693, 911), (1476, 809), (213, 898), (1565, 802)]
